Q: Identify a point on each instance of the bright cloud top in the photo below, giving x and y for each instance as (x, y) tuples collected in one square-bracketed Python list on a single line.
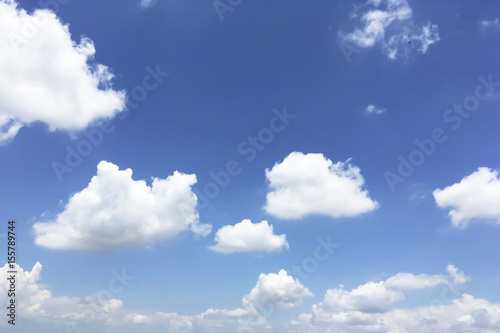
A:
[(247, 237), (375, 110), (116, 211), (46, 76), (476, 197), (280, 290), (393, 28), (305, 184)]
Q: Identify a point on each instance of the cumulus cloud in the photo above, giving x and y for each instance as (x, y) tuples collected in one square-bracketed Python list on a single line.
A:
[(37, 303), (465, 314), (115, 211), (46, 313), (371, 308), (305, 184), (247, 237), (374, 110), (356, 311), (277, 289), (475, 198), (378, 297), (47, 77), (389, 23)]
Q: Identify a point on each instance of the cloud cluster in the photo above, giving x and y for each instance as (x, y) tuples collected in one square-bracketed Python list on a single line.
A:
[(48, 77), (475, 198), (48, 314), (115, 211), (246, 236), (389, 23), (371, 308), (305, 184)]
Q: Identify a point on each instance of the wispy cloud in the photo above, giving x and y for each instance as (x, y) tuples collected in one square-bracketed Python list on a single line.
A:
[(147, 3), (390, 24), (486, 24), (375, 110)]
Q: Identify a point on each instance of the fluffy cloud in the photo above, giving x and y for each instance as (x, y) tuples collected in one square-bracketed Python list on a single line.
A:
[(116, 211), (280, 290), (475, 197), (375, 110), (47, 77), (463, 315), (37, 303), (378, 297), (247, 236), (370, 308), (44, 313), (389, 23), (305, 184), (450, 312)]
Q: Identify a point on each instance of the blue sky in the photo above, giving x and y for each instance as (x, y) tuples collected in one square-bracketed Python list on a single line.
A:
[(235, 166)]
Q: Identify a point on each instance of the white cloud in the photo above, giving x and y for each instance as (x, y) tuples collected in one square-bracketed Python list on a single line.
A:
[(378, 297), (375, 110), (475, 197), (147, 3), (115, 211), (371, 308), (280, 290), (246, 236), (393, 28), (37, 303), (48, 77), (463, 315), (485, 24), (46, 313), (350, 312), (305, 184)]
